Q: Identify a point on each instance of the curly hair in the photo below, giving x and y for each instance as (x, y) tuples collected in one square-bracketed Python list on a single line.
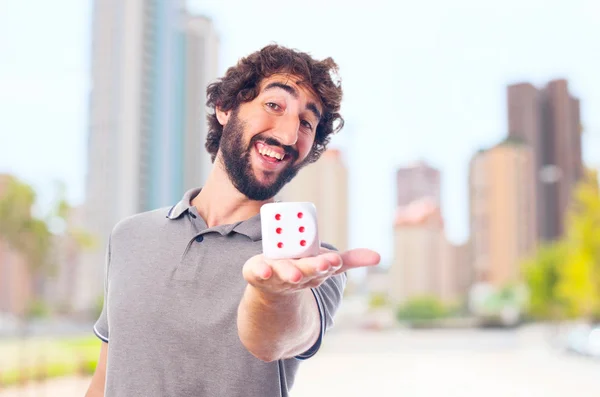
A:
[(241, 84)]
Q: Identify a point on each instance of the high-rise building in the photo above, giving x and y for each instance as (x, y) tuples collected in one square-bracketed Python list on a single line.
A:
[(502, 212), (454, 272), (425, 262), (419, 248), (151, 63), (417, 181), (325, 184), (463, 268), (549, 121), (202, 52)]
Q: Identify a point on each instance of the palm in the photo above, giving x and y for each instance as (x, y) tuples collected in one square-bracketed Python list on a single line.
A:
[(288, 275)]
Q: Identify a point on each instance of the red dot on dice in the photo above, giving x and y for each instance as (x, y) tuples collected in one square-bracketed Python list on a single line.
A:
[(278, 230), (300, 214), (279, 245), (303, 242), (301, 229), (278, 216)]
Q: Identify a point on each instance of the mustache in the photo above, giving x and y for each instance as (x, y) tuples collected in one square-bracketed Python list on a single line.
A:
[(289, 150)]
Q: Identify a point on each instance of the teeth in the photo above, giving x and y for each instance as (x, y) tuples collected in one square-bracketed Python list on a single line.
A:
[(268, 152)]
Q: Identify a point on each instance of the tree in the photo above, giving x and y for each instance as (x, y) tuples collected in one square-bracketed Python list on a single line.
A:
[(32, 236), (564, 276), (579, 278), (23, 232), (542, 277)]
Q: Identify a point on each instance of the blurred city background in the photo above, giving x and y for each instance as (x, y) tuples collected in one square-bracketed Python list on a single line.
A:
[(469, 159)]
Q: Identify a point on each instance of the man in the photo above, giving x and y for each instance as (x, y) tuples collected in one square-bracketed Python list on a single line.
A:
[(192, 308)]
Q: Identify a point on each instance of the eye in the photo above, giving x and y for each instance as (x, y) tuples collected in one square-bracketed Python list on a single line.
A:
[(307, 124), (273, 106)]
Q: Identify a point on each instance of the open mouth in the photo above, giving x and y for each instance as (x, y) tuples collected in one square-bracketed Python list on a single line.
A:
[(269, 153)]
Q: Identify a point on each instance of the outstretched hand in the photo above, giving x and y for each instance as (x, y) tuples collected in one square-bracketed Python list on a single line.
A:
[(278, 276)]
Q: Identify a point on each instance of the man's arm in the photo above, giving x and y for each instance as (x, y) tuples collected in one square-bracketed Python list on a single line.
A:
[(278, 316), (278, 326), (96, 388)]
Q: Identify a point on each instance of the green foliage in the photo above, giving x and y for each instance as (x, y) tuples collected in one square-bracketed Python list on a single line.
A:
[(30, 235), (542, 277), (378, 300), (579, 278), (19, 228), (423, 308), (47, 359), (38, 309), (48, 371), (88, 367), (564, 277), (84, 346)]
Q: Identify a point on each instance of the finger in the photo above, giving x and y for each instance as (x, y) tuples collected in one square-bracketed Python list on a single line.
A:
[(263, 271), (359, 257), (286, 271), (320, 264), (256, 270)]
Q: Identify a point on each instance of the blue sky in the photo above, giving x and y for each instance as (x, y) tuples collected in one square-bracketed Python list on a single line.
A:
[(423, 80)]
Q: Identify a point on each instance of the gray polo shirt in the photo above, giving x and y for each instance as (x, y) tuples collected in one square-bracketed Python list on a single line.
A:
[(172, 290)]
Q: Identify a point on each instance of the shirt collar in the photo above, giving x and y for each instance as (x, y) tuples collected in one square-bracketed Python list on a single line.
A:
[(184, 205), (250, 227)]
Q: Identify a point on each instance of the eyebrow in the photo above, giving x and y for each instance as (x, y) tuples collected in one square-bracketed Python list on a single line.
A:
[(293, 92)]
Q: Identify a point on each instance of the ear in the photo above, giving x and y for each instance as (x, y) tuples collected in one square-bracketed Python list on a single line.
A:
[(222, 116)]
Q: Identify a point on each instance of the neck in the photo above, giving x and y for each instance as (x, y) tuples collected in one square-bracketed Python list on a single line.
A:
[(220, 203)]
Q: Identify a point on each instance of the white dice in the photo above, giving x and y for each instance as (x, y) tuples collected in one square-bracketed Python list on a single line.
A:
[(289, 230)]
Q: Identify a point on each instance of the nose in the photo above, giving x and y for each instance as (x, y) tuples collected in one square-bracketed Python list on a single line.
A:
[(287, 130)]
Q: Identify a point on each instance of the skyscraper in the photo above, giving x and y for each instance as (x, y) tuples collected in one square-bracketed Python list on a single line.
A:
[(324, 183), (549, 121), (502, 212), (417, 181), (419, 249), (425, 262), (151, 63), (202, 51)]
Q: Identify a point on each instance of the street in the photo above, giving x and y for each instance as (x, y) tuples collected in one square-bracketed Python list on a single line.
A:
[(461, 363)]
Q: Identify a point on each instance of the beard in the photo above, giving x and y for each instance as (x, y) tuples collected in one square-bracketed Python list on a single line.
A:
[(235, 156)]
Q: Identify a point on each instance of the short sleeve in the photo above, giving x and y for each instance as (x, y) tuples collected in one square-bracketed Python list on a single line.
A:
[(101, 325), (329, 297)]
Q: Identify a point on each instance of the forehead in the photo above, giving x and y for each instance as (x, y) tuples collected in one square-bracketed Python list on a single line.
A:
[(305, 91)]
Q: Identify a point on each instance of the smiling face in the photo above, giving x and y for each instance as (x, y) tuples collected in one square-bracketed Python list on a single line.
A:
[(267, 141)]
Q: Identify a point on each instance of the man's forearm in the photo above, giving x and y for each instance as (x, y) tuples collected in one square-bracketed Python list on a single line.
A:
[(95, 389), (94, 393), (278, 326)]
